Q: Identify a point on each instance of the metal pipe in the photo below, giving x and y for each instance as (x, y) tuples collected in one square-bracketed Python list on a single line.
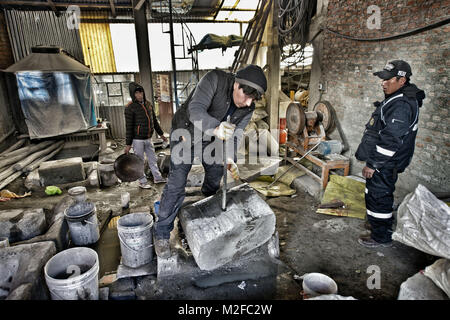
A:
[(309, 151)]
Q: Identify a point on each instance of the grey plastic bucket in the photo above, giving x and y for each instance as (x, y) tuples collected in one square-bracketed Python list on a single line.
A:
[(136, 239), (72, 274), (78, 193), (83, 223)]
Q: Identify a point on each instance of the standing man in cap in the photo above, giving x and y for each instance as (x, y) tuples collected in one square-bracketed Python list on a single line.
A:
[(140, 122), (387, 147), (218, 95)]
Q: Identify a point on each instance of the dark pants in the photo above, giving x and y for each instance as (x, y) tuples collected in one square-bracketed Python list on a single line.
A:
[(174, 191), (379, 203)]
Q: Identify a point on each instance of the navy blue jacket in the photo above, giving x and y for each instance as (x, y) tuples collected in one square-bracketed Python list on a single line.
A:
[(389, 138)]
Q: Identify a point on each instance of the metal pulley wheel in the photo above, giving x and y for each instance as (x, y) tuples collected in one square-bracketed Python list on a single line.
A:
[(295, 118), (328, 115)]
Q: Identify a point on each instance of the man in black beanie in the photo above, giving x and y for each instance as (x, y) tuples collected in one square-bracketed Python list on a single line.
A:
[(387, 147), (218, 96)]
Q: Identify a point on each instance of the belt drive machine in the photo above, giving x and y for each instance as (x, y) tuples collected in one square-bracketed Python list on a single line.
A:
[(307, 132)]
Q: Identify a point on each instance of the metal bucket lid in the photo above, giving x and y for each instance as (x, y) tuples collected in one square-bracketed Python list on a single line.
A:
[(79, 211), (129, 167)]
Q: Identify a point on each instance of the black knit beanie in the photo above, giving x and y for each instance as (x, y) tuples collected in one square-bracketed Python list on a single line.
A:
[(252, 76)]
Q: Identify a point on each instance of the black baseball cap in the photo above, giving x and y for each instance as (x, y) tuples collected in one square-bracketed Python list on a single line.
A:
[(252, 76), (395, 68)]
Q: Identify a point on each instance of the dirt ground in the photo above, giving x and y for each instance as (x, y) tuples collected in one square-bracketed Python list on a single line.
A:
[(309, 242)]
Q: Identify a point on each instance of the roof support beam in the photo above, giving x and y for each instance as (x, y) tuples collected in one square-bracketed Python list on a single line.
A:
[(51, 5), (65, 4), (113, 8)]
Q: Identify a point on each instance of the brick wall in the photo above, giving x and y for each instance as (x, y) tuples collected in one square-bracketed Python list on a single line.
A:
[(6, 56), (347, 66)]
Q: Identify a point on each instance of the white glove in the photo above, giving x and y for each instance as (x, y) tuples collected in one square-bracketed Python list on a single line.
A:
[(225, 130), (233, 168)]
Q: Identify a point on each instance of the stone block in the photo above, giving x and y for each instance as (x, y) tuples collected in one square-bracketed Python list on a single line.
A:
[(308, 184), (22, 224), (23, 264), (62, 171), (58, 233), (32, 181), (217, 237)]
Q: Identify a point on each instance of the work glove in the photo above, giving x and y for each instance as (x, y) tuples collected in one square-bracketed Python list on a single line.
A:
[(225, 130), (233, 168)]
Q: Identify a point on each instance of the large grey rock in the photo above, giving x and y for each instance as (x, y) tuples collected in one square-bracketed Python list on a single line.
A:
[(309, 185), (62, 171), (57, 233), (216, 237), (22, 224), (23, 264)]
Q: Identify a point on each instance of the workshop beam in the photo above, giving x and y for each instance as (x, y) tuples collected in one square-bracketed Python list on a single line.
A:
[(273, 62), (143, 48)]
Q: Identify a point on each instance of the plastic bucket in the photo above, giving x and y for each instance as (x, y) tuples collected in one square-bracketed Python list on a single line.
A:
[(4, 242), (136, 239), (315, 284), (83, 223), (78, 194), (72, 274)]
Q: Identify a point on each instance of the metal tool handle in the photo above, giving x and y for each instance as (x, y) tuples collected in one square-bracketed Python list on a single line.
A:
[(310, 150), (225, 173)]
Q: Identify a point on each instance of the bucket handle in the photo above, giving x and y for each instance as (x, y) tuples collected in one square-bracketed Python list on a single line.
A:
[(87, 221), (125, 244)]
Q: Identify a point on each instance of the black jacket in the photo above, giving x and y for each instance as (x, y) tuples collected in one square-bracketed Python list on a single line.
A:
[(140, 118), (208, 104), (389, 139)]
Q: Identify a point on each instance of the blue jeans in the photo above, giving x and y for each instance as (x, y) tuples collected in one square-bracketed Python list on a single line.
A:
[(146, 146), (174, 191)]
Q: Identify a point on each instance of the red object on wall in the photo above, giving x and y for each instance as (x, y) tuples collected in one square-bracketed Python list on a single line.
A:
[(283, 136), (282, 123)]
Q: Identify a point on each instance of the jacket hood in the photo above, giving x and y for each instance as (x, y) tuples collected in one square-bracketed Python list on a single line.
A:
[(133, 86), (411, 91)]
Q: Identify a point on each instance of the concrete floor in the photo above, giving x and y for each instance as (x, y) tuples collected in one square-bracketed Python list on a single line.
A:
[(309, 242)]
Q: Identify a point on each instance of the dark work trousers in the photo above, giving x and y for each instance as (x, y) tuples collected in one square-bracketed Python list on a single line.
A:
[(379, 203), (174, 191)]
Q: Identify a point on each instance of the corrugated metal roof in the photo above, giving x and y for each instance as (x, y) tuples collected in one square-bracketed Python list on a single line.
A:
[(97, 47)]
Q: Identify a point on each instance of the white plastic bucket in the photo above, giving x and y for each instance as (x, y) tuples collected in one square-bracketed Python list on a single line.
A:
[(83, 223), (136, 239), (72, 274), (78, 193)]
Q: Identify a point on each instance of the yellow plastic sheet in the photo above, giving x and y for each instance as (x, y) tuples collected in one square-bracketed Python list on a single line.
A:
[(276, 190), (281, 187), (347, 190)]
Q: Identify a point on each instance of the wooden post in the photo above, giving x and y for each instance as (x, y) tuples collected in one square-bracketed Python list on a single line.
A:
[(273, 62)]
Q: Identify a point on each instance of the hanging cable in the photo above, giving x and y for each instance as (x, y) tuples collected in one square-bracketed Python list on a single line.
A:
[(397, 36)]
